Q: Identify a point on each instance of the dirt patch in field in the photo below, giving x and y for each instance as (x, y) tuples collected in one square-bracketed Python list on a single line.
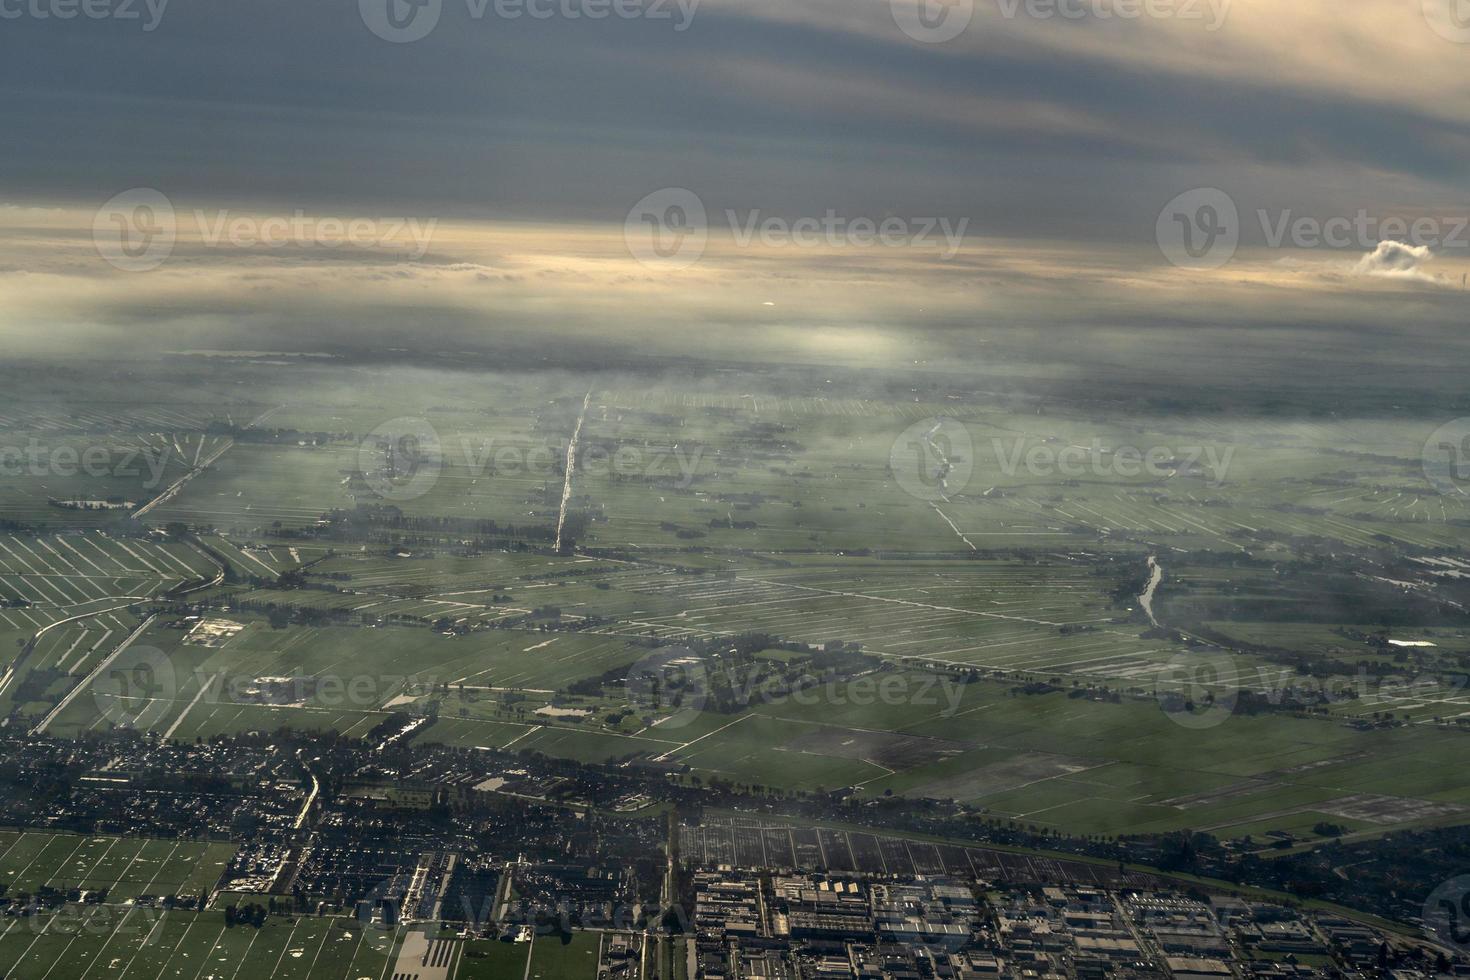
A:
[(1222, 794), (888, 750), (998, 777), (1386, 809)]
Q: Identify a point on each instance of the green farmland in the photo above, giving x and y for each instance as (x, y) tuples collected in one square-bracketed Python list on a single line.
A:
[(1308, 573)]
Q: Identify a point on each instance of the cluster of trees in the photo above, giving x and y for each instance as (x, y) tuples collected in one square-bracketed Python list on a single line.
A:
[(251, 914)]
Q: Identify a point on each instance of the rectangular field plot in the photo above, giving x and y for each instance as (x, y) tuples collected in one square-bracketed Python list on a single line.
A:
[(343, 678), (148, 944), (1088, 767), (61, 659), (62, 480), (252, 486), (744, 478), (1054, 618), (572, 957), (492, 960), (507, 470), (125, 867), (50, 578), (1047, 619), (259, 561), (432, 587)]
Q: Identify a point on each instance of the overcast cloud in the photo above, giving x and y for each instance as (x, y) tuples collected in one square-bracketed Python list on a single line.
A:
[(1056, 133)]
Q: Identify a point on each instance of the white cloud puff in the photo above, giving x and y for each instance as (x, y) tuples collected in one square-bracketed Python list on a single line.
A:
[(1396, 260)]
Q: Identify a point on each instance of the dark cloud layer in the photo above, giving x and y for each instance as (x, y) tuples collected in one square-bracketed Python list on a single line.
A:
[(1045, 129)]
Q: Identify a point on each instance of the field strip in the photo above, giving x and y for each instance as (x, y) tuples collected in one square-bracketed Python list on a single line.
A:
[(203, 690), (326, 934), (276, 970), (81, 929), (357, 950), (61, 660), (148, 888), (245, 554), (205, 960), (147, 941), (63, 577), (902, 602), (701, 738), (246, 954), (166, 556), (146, 563), (18, 838), (39, 579), (41, 932), (97, 956), (97, 863), (87, 681), (105, 555), (24, 871), (123, 875), (183, 936), (27, 565)]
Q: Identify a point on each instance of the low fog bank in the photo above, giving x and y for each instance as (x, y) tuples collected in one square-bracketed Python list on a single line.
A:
[(1303, 333)]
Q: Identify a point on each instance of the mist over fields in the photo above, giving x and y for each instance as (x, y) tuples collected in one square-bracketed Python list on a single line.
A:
[(1043, 319)]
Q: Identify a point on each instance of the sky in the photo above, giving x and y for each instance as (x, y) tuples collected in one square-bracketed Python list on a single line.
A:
[(822, 175)]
